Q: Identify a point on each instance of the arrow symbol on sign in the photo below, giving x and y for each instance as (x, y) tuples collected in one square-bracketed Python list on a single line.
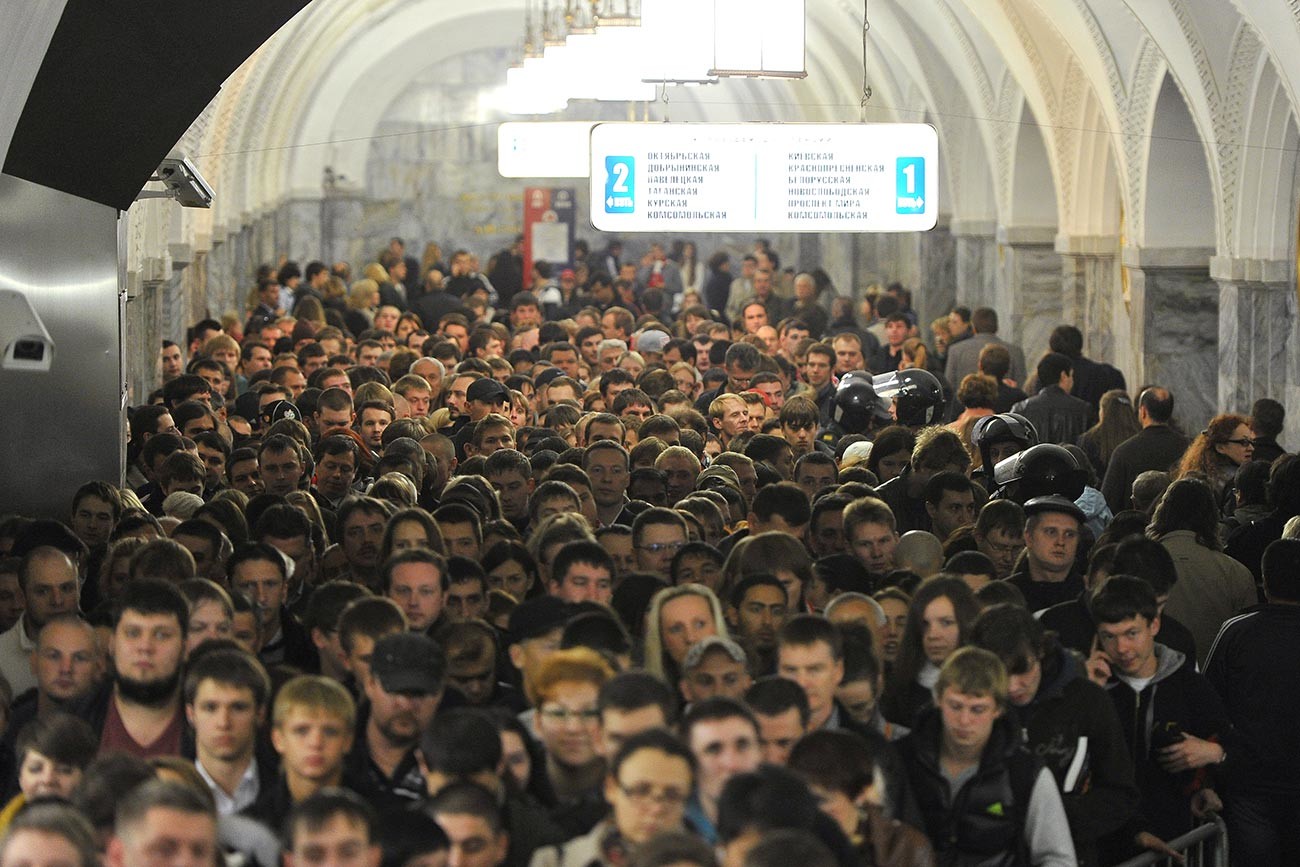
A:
[(920, 202), (609, 203)]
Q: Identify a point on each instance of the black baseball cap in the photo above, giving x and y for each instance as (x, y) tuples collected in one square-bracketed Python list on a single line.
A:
[(409, 662), (538, 616), (487, 390)]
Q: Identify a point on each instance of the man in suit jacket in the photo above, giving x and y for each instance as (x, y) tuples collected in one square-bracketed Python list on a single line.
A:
[(1156, 447), (963, 355)]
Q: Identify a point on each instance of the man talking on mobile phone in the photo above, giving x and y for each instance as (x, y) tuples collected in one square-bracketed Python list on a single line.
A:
[(1174, 723)]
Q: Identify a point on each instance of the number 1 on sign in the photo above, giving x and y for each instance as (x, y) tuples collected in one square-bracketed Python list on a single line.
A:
[(910, 186)]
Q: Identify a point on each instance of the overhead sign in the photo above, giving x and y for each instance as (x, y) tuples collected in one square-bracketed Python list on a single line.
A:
[(544, 150), (648, 177)]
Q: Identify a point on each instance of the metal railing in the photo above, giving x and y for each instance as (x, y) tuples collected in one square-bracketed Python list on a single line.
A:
[(1204, 846)]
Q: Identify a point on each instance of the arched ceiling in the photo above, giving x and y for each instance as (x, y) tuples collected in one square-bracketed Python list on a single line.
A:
[(1085, 73)]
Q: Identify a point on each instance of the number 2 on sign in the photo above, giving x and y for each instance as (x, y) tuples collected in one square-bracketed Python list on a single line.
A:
[(620, 178)]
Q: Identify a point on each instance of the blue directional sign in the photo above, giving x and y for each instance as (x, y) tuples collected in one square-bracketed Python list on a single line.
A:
[(763, 177), (620, 185), (910, 197)]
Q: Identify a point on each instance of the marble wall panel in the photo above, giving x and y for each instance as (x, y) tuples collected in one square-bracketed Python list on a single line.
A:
[(1103, 294), (300, 221), (935, 292), (1256, 333), (1181, 346), (1088, 294), (975, 270), (1030, 295)]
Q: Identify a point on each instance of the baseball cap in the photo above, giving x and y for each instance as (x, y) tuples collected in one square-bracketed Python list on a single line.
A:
[(652, 341), (723, 473), (567, 274), (280, 409), (537, 616), (409, 662), (856, 453), (1054, 503), (544, 378), (486, 390), (695, 655)]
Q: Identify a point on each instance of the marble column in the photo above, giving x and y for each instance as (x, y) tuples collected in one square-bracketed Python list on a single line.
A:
[(1029, 286), (1090, 288), (838, 255), (299, 224), (221, 279), (1257, 330), (976, 264), (341, 216), (936, 290), (1175, 329), (264, 239)]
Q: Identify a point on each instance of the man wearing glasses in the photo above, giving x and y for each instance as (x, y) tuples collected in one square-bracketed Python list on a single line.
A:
[(649, 781), (657, 535)]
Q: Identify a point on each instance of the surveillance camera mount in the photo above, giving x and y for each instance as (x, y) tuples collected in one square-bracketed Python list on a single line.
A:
[(183, 183)]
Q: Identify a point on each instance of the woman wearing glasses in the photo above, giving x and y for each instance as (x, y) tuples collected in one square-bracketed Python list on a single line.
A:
[(565, 692), (1217, 452)]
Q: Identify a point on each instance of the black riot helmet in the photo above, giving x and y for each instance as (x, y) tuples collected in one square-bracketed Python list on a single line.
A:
[(916, 395), (1001, 428), (1039, 471), (856, 404)]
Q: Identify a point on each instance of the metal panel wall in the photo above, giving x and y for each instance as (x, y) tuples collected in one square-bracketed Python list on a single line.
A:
[(62, 427)]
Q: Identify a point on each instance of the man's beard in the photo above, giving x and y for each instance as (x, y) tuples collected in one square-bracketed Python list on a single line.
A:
[(151, 693), (391, 729)]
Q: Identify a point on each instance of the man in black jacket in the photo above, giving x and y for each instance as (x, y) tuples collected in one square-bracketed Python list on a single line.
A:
[(1056, 415), (1254, 666), (1092, 379), (1156, 447), (1137, 555), (260, 572), (1173, 721), (1246, 544), (1069, 724), (984, 797)]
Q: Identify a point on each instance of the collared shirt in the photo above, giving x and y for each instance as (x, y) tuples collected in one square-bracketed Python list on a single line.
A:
[(360, 773), (273, 650), (246, 791), (15, 657)]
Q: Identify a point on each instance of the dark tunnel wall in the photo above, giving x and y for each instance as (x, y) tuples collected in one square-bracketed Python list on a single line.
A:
[(122, 81)]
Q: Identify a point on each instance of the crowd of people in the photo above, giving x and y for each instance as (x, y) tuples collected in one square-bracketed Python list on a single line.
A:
[(650, 562)]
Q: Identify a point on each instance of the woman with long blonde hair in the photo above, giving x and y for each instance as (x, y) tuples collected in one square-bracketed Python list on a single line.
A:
[(679, 617)]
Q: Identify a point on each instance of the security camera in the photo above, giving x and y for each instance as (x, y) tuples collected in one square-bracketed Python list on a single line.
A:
[(27, 345), (183, 183)]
